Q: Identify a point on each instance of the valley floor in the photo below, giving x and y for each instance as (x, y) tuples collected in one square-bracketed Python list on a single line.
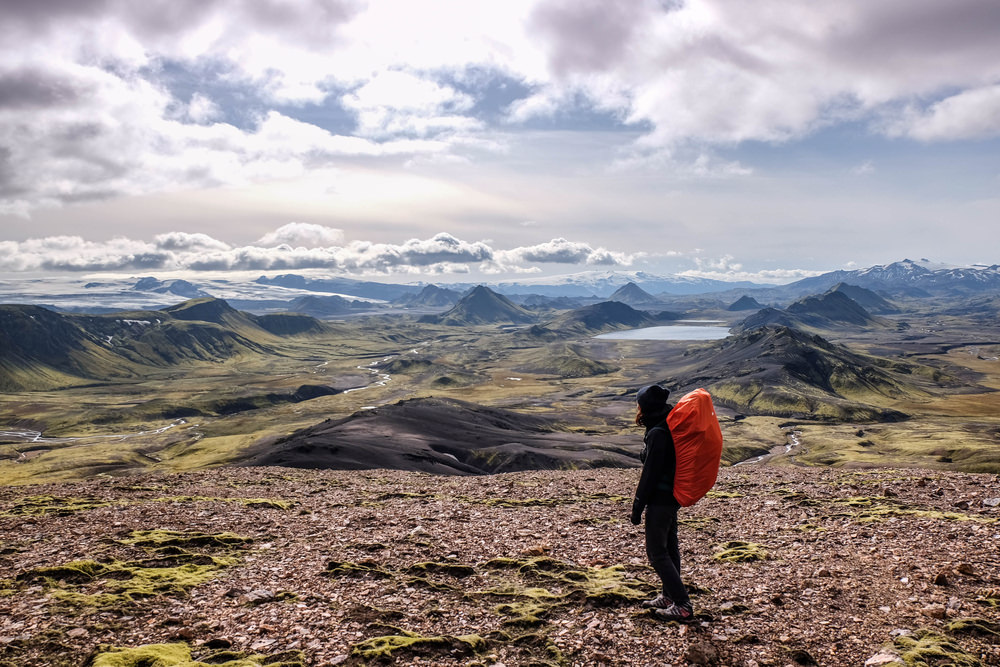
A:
[(787, 565)]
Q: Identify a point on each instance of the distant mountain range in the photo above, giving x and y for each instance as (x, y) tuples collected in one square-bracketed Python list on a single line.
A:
[(909, 278), (904, 279)]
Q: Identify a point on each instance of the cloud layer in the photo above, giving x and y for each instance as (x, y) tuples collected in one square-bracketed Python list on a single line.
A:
[(294, 246), (106, 98)]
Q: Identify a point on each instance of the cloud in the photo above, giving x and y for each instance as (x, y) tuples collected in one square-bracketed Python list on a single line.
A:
[(401, 103), (183, 241), (109, 98), (302, 234), (293, 246), (725, 268), (972, 114), (561, 251), (73, 253)]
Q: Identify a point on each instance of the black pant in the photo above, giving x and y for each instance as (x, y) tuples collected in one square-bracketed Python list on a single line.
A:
[(663, 551)]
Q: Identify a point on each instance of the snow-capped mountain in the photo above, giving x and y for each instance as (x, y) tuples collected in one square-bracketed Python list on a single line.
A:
[(908, 277)]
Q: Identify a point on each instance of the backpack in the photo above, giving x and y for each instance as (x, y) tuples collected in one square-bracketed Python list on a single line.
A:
[(698, 443)]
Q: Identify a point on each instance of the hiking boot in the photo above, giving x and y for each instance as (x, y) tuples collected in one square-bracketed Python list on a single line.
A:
[(676, 612), (661, 601)]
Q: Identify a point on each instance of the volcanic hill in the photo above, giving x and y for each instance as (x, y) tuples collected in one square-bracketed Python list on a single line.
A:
[(866, 298), (442, 436), (482, 306), (596, 318), (745, 302), (634, 296), (786, 372), (830, 311)]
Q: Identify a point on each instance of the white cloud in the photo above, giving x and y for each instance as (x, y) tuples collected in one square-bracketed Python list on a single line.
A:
[(202, 110), (972, 114), (292, 246), (302, 234), (184, 241), (561, 251), (727, 269), (96, 101)]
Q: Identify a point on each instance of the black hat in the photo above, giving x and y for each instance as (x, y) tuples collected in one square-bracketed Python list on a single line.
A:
[(652, 399)]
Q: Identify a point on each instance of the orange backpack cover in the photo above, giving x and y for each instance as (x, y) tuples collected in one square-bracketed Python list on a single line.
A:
[(698, 443)]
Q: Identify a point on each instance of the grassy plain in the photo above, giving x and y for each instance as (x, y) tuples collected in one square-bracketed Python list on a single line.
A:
[(207, 414)]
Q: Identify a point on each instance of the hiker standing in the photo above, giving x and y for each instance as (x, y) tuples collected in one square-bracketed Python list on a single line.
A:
[(655, 495)]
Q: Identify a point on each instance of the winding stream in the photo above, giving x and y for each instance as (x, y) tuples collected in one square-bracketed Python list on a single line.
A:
[(36, 436), (794, 440)]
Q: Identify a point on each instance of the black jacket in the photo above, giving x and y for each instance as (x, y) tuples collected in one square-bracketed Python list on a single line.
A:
[(659, 464)]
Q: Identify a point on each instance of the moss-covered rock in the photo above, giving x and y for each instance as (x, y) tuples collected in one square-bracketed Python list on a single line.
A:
[(927, 647), (171, 570), (52, 505), (391, 647), (736, 551), (973, 626), (158, 539), (180, 655)]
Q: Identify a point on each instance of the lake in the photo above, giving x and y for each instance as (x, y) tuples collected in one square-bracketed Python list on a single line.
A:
[(672, 332)]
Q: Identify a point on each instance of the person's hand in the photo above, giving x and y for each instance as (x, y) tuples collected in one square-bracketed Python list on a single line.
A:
[(636, 517)]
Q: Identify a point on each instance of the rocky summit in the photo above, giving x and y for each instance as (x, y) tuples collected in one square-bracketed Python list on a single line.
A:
[(274, 566)]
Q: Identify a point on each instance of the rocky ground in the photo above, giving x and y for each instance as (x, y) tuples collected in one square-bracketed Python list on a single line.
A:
[(270, 566)]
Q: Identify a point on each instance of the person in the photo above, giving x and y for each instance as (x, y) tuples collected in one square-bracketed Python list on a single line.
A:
[(655, 495)]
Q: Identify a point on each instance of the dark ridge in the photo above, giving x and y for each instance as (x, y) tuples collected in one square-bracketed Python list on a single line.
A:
[(833, 306), (745, 303), (599, 317), (867, 299), (442, 436), (782, 371)]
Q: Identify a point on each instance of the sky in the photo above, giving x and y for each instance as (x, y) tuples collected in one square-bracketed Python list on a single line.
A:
[(422, 140)]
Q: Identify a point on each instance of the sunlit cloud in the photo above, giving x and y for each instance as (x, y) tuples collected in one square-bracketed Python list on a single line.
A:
[(291, 247), (302, 234)]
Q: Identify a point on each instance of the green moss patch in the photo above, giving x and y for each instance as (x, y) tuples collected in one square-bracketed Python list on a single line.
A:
[(973, 626), (699, 522), (391, 647), (539, 585), (523, 613), (871, 509), (180, 655), (90, 583), (338, 568), (926, 647), (52, 505), (170, 570), (253, 503), (724, 494), (989, 597), (159, 539), (740, 552)]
